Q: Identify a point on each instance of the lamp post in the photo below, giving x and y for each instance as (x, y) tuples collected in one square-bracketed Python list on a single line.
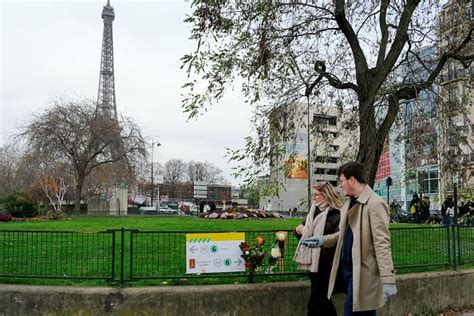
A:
[(308, 165), (152, 184)]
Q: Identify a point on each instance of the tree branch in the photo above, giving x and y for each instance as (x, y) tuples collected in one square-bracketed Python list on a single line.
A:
[(409, 92), (348, 31), (393, 107), (396, 48), (384, 30)]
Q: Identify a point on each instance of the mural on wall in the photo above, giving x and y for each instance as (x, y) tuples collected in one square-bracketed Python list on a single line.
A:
[(296, 166)]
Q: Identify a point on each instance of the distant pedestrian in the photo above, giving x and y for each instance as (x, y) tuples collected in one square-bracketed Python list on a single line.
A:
[(448, 203), (212, 206), (394, 209), (425, 208), (201, 207), (415, 207), (447, 210)]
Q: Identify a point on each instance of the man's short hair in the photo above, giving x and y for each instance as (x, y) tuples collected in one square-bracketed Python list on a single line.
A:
[(352, 169)]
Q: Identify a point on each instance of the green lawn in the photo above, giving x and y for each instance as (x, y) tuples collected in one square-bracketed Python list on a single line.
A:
[(185, 223), (155, 254)]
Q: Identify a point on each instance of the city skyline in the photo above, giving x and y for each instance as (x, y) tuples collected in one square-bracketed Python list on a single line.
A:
[(149, 39)]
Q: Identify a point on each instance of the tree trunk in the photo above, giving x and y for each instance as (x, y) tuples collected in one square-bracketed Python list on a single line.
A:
[(78, 194), (369, 155), (370, 142)]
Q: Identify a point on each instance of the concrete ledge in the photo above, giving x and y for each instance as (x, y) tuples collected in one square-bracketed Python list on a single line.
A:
[(422, 292)]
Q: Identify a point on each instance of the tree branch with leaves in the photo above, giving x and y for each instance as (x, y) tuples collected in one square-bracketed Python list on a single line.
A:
[(346, 53)]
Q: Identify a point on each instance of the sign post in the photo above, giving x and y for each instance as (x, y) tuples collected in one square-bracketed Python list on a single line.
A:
[(200, 189)]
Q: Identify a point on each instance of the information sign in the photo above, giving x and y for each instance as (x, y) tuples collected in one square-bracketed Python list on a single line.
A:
[(214, 252), (200, 189)]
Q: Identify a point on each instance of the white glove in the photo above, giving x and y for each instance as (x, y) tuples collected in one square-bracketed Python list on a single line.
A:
[(389, 291), (313, 242)]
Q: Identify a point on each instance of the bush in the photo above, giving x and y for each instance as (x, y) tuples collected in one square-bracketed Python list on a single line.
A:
[(19, 204), (5, 217), (55, 215)]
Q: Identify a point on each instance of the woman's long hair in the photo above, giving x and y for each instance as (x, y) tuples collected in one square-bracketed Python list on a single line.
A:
[(329, 193)]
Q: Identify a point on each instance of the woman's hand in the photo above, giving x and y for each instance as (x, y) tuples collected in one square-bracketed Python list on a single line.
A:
[(299, 229)]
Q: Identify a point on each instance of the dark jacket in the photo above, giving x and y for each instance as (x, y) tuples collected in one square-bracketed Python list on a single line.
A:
[(332, 226)]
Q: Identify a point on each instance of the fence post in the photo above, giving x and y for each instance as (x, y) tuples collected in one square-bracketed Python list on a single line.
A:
[(122, 257), (113, 255), (458, 233), (455, 223), (130, 269)]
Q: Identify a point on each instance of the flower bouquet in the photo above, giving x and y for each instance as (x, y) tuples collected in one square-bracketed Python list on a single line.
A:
[(277, 252), (253, 256)]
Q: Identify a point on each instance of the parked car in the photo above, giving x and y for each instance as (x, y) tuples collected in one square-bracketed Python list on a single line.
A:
[(148, 210), (167, 210)]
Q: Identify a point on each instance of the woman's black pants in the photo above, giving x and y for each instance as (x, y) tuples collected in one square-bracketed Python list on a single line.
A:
[(318, 301)]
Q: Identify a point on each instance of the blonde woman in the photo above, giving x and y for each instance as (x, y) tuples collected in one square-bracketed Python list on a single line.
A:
[(322, 219)]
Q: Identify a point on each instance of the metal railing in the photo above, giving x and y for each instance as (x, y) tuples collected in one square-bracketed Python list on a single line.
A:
[(127, 255), (162, 255), (57, 254)]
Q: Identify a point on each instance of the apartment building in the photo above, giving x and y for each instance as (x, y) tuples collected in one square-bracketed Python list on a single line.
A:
[(292, 172), (455, 87), (435, 149)]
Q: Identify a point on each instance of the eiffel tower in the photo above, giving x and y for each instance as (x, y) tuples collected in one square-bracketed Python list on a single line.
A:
[(106, 101), (119, 169)]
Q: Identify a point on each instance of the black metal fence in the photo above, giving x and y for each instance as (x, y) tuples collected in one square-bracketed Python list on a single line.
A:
[(122, 255), (57, 254)]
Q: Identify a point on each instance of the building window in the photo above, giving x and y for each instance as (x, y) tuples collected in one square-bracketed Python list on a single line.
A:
[(424, 182), (334, 147), (325, 159), (325, 171), (320, 119)]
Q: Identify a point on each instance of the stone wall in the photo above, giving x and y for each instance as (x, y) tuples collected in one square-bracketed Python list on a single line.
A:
[(98, 207), (423, 292)]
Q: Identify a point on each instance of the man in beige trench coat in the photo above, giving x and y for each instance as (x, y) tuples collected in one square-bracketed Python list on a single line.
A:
[(363, 251)]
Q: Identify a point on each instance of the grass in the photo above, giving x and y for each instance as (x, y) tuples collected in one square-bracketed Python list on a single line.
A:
[(84, 253), (160, 223), (159, 249)]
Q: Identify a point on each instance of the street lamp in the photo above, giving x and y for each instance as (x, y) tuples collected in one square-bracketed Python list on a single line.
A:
[(152, 184), (308, 165)]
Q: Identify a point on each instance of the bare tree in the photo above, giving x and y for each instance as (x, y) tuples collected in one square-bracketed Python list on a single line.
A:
[(204, 171), (77, 132), (55, 189), (174, 171), (339, 53), (10, 159)]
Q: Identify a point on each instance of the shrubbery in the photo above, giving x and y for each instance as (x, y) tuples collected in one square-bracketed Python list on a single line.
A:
[(18, 204), (5, 218)]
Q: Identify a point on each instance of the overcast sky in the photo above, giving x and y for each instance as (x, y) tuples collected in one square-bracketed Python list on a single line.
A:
[(52, 49)]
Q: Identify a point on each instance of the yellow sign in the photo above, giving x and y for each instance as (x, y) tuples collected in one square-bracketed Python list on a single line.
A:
[(214, 252), (214, 237)]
